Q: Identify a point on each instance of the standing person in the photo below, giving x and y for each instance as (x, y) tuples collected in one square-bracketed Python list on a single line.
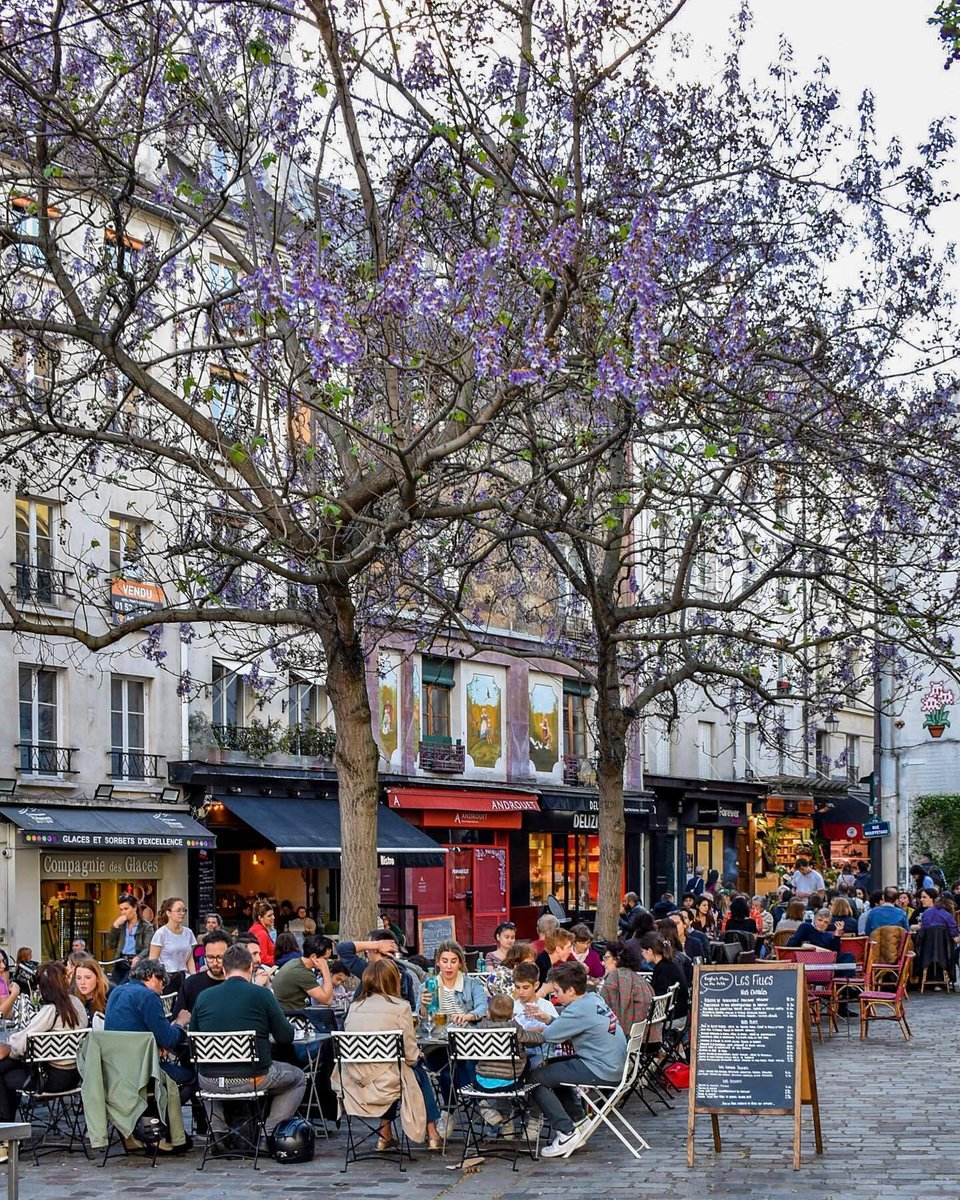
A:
[(89, 985), (862, 879), (129, 936), (264, 930), (933, 871), (173, 942), (587, 1024), (695, 884), (215, 946), (846, 879), (806, 880), (239, 1005), (506, 936), (920, 879), (58, 1011)]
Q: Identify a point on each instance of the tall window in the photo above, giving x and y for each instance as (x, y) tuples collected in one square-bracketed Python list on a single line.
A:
[(126, 547), (127, 728), (574, 721), (705, 749), (36, 577), (824, 760), (33, 364), (853, 758), (228, 392), (38, 721), (435, 696), (25, 220), (122, 255), (749, 751), (303, 702), (227, 696)]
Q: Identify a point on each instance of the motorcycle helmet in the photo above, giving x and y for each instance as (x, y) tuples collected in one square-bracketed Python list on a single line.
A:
[(293, 1141), (149, 1129)]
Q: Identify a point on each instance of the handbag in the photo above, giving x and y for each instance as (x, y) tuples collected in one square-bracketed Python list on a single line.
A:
[(679, 1074)]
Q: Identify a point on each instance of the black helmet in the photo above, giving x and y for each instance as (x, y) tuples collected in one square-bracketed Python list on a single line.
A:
[(149, 1129), (293, 1141)]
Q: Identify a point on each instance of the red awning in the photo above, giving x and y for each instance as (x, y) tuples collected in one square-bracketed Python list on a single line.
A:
[(460, 799)]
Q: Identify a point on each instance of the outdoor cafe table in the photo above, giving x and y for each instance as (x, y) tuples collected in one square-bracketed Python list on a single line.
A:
[(835, 968), (14, 1133)]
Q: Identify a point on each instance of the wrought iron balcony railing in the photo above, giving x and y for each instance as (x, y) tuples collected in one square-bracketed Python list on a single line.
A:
[(443, 757), (42, 585), (134, 764), (46, 759)]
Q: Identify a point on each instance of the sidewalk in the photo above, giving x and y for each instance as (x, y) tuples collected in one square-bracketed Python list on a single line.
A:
[(889, 1111)]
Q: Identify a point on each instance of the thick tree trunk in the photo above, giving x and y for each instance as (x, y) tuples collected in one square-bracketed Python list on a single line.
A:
[(356, 760), (612, 727)]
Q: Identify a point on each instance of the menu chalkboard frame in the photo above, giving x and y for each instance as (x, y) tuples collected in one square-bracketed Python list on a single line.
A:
[(421, 945), (804, 1079)]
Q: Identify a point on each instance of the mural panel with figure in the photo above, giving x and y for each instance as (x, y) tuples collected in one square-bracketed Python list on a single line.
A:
[(484, 741), (544, 727), (387, 723)]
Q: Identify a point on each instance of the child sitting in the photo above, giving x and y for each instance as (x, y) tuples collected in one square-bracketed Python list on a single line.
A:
[(530, 1010), (502, 1074)]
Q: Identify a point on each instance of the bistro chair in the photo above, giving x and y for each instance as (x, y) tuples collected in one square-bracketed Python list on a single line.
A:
[(604, 1101), (781, 938), (786, 953), (887, 1006), (168, 1000), (210, 1053), (489, 1045), (311, 1039), (844, 987), (654, 1052), (819, 987), (891, 943), (375, 1048), (61, 1129)]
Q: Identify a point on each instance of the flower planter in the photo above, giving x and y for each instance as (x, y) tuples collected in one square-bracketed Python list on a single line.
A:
[(936, 730)]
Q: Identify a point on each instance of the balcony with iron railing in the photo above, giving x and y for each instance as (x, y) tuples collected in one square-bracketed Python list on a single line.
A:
[(134, 765), (45, 758), (40, 585), (444, 758)]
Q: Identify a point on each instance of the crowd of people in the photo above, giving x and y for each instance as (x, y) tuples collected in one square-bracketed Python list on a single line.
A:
[(571, 1000)]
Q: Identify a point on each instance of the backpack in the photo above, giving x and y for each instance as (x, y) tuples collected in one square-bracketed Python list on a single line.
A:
[(937, 875)]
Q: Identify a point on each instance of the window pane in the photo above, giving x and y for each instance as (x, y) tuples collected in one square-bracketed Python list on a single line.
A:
[(46, 687), (116, 693), (47, 724), (23, 530), (135, 731), (135, 690), (116, 730)]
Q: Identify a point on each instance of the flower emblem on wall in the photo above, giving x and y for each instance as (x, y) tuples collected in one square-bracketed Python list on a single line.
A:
[(935, 705)]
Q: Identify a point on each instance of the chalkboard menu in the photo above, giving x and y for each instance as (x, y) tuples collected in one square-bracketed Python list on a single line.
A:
[(746, 1039), (433, 931), (750, 1048), (205, 889)]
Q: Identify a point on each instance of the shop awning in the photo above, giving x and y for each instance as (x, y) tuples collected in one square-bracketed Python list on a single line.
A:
[(634, 803), (848, 809), (456, 799), (107, 828), (307, 832)]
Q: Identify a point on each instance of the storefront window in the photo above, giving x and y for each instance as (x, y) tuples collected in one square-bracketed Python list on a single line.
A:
[(574, 725), (541, 866)]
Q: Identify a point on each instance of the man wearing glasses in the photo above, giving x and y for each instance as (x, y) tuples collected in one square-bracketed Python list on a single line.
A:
[(214, 947)]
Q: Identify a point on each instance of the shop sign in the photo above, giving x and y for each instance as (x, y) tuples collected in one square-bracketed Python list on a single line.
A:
[(116, 841), (438, 819), (874, 829), (588, 822), (96, 866)]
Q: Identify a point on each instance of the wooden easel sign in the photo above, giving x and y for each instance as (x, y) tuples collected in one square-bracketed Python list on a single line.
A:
[(750, 1048)]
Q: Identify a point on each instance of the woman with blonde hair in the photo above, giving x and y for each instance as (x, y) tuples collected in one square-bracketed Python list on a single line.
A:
[(369, 1090), (89, 984)]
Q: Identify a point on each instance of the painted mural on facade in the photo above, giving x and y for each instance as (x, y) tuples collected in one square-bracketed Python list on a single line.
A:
[(484, 740), (544, 727), (387, 723)]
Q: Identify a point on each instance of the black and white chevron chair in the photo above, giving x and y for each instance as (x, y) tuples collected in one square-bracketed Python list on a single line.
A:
[(56, 1116), (375, 1048), (168, 1002), (212, 1052), (489, 1045)]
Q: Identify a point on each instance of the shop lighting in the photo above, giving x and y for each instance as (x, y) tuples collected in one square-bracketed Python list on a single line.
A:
[(7, 787), (104, 792), (170, 795)]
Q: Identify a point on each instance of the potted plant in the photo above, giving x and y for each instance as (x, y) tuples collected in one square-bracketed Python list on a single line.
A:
[(261, 738), (935, 706)]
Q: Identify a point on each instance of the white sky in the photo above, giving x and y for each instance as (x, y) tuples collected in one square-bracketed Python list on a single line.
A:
[(884, 45)]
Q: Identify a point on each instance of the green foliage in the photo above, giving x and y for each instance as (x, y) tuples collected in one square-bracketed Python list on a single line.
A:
[(936, 826), (947, 16)]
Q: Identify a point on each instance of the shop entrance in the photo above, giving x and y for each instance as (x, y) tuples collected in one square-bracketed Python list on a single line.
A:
[(82, 902)]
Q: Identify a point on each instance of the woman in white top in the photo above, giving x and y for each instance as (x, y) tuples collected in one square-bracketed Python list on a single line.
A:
[(173, 942), (58, 1010)]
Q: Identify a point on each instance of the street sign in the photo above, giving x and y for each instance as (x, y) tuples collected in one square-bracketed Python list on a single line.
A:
[(874, 829)]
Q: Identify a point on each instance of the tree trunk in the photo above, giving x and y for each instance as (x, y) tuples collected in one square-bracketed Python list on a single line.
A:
[(612, 727), (356, 759)]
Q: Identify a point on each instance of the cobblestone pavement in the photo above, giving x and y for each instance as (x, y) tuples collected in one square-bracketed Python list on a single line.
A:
[(889, 1113)]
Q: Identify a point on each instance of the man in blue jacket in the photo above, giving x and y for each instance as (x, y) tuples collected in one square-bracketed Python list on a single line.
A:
[(135, 1007), (599, 1053)]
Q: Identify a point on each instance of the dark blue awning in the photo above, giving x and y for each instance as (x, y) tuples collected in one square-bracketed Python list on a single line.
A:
[(117, 828), (306, 832)]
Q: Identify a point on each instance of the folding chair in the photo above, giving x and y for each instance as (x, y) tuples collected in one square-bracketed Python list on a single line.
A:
[(307, 1034), (384, 1049), (63, 1108), (168, 1002), (604, 1101), (211, 1053), (489, 1045), (654, 1051)]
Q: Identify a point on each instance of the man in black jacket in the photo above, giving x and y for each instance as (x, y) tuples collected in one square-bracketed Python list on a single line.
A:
[(817, 933), (380, 943)]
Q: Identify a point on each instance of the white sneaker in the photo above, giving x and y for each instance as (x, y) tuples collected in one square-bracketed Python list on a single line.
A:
[(562, 1145), (490, 1114)]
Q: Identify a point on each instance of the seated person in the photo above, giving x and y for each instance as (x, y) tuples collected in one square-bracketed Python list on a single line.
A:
[(215, 945), (339, 975), (584, 952), (817, 933), (624, 989), (238, 1004), (530, 1009), (135, 1007), (295, 984), (498, 1075), (261, 974), (557, 948), (599, 1053), (379, 943)]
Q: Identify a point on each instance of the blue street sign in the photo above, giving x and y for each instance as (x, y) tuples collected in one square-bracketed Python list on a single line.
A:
[(874, 829)]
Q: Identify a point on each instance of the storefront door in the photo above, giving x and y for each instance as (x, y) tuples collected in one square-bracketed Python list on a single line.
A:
[(460, 891)]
